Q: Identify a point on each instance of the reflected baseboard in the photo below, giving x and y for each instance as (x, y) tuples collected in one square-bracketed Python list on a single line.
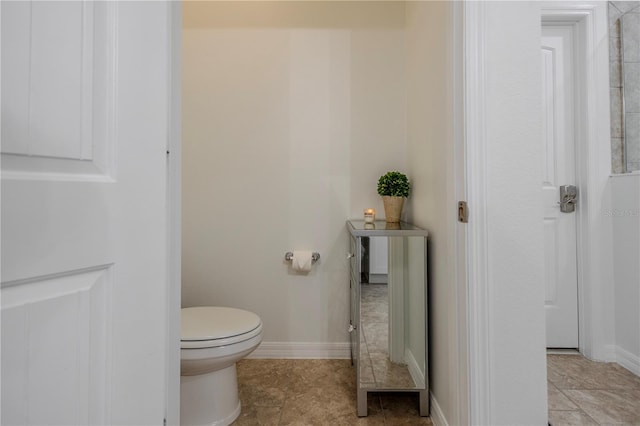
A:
[(557, 351), (414, 369)]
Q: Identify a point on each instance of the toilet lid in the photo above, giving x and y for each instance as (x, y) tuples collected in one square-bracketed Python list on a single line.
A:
[(215, 322)]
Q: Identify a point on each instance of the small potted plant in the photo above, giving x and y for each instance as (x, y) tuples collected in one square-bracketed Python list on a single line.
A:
[(394, 187)]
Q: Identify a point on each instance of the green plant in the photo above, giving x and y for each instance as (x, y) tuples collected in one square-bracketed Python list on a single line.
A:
[(394, 184)]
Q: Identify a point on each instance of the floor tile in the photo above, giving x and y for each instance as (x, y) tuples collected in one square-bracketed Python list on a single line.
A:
[(626, 375), (321, 406), (374, 306), (608, 406), (402, 408), (323, 373), (389, 375), (250, 370), (366, 370), (585, 392), (577, 372), (374, 312), (261, 395), (558, 400), (376, 336), (262, 382), (570, 418), (259, 416), (315, 392), (322, 392)]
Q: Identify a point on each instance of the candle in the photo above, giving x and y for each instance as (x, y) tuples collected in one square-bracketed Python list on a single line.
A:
[(369, 215)]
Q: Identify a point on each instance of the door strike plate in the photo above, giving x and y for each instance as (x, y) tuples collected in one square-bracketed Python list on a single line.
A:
[(463, 212)]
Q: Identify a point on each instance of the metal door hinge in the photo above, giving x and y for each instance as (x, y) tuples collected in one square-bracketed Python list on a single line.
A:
[(463, 212)]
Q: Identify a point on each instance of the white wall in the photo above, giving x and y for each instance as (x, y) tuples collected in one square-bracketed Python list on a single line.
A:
[(625, 217), (430, 133), (291, 113), (515, 264)]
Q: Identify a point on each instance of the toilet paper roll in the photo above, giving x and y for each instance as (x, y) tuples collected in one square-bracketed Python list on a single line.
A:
[(302, 260)]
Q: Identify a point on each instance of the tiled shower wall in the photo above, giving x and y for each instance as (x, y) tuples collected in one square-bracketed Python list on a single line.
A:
[(624, 62)]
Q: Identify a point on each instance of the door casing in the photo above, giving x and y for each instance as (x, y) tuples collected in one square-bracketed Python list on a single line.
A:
[(593, 160), (174, 216), (593, 165)]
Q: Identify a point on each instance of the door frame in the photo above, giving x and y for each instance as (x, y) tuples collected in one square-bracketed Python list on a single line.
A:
[(174, 216), (478, 289), (593, 165)]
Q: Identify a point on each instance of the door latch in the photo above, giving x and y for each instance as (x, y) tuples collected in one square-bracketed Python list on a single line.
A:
[(463, 212), (568, 198)]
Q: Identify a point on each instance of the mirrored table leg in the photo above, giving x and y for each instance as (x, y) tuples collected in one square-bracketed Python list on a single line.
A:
[(362, 403), (424, 402)]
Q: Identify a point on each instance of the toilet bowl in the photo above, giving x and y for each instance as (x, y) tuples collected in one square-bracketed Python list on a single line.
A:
[(213, 339)]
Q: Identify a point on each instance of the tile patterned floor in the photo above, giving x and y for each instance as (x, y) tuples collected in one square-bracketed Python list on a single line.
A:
[(315, 392), (583, 392), (322, 392), (376, 371)]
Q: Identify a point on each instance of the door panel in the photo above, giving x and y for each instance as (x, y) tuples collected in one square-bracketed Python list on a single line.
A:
[(58, 109), (57, 329), (83, 229), (558, 168)]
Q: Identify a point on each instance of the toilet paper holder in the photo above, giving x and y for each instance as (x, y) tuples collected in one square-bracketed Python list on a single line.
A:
[(315, 256)]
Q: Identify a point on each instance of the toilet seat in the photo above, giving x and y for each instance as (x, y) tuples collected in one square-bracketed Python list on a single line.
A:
[(214, 326)]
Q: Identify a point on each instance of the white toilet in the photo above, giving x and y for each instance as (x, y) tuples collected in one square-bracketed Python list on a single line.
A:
[(213, 339)]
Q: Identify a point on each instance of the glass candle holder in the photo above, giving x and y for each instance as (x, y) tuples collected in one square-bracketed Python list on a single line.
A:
[(369, 215)]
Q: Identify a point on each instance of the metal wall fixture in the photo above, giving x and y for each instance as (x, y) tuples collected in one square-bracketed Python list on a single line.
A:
[(288, 256)]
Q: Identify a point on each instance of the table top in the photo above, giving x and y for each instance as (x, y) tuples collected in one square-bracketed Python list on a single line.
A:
[(380, 228)]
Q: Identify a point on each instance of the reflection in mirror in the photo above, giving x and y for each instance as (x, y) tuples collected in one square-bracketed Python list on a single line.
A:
[(624, 61), (392, 313)]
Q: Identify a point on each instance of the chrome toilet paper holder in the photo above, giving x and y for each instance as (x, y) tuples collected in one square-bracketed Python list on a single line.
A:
[(288, 256)]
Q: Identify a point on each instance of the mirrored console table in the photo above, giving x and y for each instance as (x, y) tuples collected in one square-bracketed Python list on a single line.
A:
[(388, 310)]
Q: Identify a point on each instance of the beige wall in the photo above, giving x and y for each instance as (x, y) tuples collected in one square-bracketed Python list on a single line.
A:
[(291, 113), (430, 125)]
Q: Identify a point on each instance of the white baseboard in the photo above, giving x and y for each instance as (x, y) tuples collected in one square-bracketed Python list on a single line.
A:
[(628, 360), (301, 350), (378, 279), (414, 369), (610, 353), (437, 416)]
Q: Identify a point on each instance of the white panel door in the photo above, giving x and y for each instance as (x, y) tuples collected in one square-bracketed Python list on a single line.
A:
[(561, 279), (85, 104)]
